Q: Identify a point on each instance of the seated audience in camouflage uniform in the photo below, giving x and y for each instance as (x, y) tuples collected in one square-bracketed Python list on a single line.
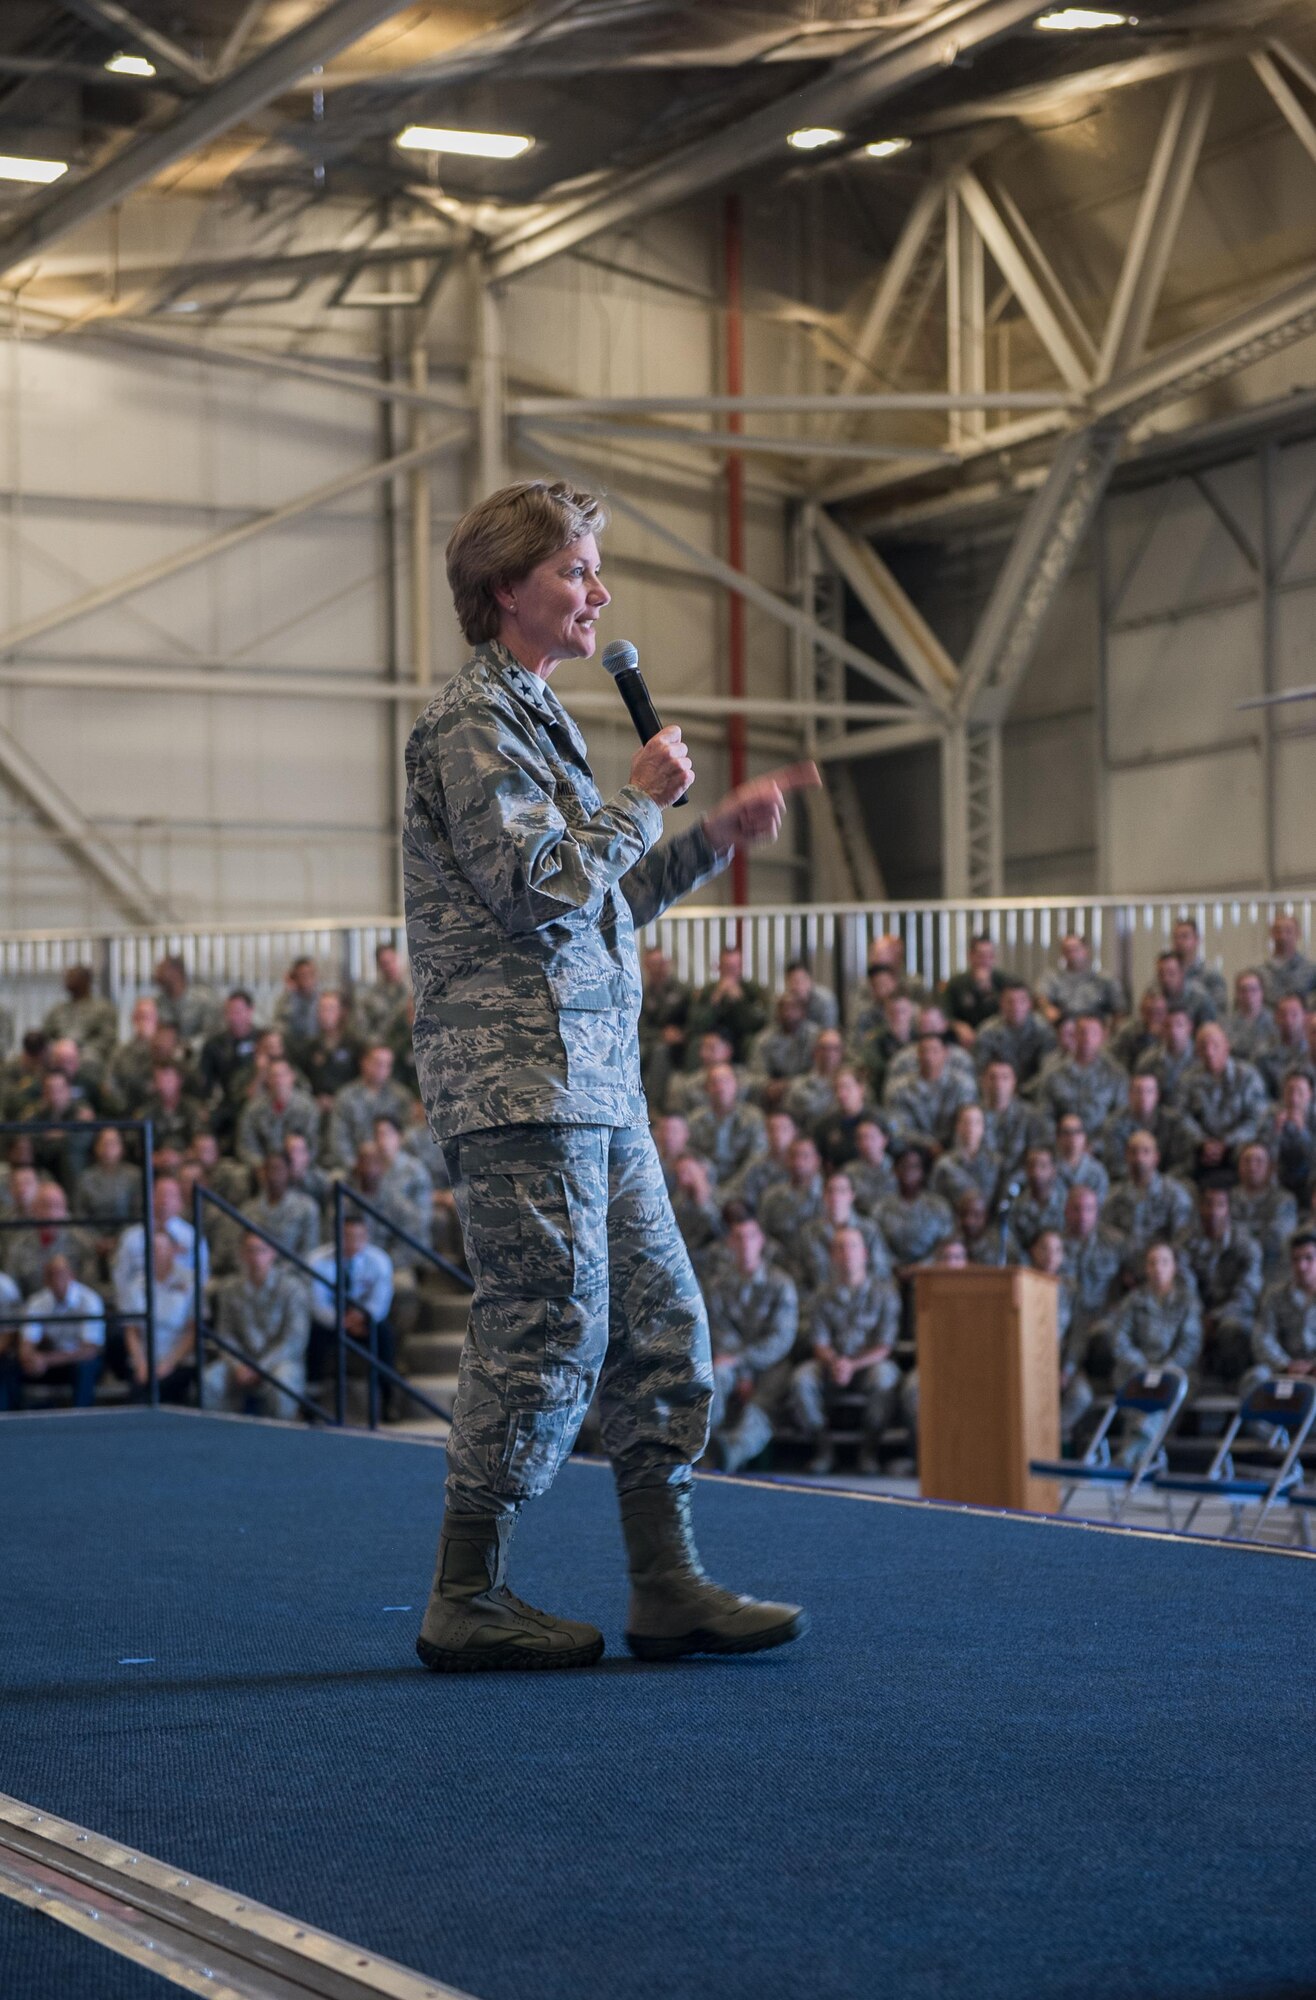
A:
[(753, 1324), (852, 1325)]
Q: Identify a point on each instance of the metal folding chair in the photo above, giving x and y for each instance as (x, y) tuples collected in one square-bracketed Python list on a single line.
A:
[(1286, 1405), (1156, 1393)]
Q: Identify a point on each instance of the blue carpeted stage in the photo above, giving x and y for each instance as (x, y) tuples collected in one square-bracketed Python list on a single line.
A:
[(1012, 1759)]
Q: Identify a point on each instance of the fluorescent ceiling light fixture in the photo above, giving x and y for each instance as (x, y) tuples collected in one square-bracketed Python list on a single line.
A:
[(810, 137), (122, 65), (1069, 19), (482, 145), (13, 168), (886, 149)]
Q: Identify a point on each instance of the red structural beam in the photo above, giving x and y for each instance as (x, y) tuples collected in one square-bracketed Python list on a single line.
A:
[(734, 369)]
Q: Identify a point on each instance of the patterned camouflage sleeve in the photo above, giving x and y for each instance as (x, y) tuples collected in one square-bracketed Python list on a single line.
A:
[(515, 847), (671, 871), (776, 1337)]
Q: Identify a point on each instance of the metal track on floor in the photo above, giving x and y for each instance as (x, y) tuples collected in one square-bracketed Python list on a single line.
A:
[(189, 1931)]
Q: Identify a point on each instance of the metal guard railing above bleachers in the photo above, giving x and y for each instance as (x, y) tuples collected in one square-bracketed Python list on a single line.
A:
[(1126, 933)]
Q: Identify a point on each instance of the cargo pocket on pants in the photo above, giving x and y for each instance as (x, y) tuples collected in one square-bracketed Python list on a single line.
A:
[(539, 1436)]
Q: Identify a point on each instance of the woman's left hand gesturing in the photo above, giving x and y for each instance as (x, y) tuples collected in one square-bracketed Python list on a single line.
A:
[(754, 811)]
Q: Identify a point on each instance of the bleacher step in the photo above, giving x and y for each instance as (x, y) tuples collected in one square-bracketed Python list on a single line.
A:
[(443, 1312), (434, 1353), (440, 1388)]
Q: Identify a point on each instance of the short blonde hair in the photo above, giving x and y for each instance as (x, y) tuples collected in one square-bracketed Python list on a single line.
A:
[(501, 540)]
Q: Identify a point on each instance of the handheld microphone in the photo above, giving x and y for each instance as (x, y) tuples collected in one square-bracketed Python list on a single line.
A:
[(622, 661)]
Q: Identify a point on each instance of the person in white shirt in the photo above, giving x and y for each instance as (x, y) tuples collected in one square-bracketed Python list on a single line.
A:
[(368, 1289), (63, 1341), (174, 1329), (11, 1373), (129, 1270)]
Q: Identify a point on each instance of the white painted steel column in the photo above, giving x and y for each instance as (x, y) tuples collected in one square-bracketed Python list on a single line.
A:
[(954, 812), (422, 528), (488, 387)]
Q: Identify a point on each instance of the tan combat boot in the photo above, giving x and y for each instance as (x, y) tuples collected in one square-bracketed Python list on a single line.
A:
[(674, 1607), (474, 1623)]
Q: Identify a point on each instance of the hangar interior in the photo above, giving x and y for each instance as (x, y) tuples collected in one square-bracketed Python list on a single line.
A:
[(948, 369), (968, 447)]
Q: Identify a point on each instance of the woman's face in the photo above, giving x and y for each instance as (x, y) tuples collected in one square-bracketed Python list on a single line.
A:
[(553, 610)]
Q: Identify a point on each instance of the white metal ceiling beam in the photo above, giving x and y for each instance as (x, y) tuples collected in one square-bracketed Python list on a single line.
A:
[(923, 218), (893, 401), (325, 374), (1061, 303), (755, 593), (1156, 224), (76, 200), (271, 683), (93, 850), (1036, 99), (1301, 68), (239, 35), (854, 85), (897, 273), (899, 621), (1022, 280), (966, 317), (1284, 95), (320, 497), (1174, 372), (724, 442), (1185, 366), (1048, 538), (877, 742)]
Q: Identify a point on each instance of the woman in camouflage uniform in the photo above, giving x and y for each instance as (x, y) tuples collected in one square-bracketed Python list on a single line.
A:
[(524, 889)]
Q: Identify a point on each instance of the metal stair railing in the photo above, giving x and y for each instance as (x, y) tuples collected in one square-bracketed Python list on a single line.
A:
[(342, 1195), (31, 1128), (344, 1342)]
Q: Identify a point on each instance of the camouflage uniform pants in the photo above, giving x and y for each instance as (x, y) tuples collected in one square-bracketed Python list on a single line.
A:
[(581, 1279), (747, 1429), (812, 1394)]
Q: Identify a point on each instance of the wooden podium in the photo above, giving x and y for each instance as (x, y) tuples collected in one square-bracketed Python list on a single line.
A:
[(988, 1381)]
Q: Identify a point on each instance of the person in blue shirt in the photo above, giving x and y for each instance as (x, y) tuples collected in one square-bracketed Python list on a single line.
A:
[(368, 1287)]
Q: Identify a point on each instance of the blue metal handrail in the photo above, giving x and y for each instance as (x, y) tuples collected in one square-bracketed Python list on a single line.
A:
[(343, 1341)]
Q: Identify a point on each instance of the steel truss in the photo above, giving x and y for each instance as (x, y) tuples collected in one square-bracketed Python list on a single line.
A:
[(962, 235)]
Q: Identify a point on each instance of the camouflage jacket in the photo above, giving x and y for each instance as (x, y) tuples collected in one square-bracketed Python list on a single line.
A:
[(1147, 1331), (871, 1183), (523, 890), (850, 1322), (270, 1322), (1092, 1266), (914, 1229), (777, 1051), (809, 1255), (956, 1173), (1163, 1210), (1286, 1327), (1231, 1106), (786, 1209), (928, 1110), (1093, 1091), (753, 1320), (1227, 1274), (1009, 1134), (1022, 1047), (1270, 1218), (730, 1143), (1030, 1214)]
